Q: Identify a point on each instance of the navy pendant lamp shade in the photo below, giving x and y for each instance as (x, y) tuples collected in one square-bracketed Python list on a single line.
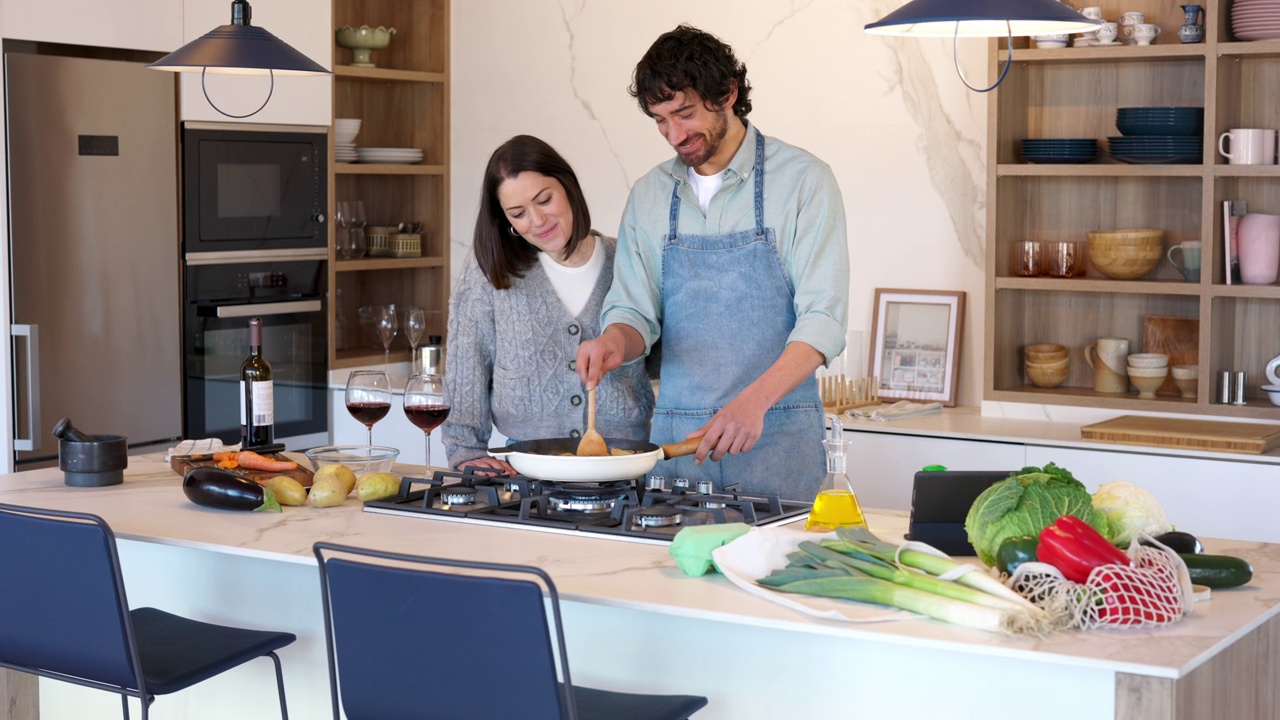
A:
[(239, 48), (982, 18)]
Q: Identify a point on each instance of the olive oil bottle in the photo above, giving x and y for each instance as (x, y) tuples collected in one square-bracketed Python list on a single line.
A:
[(836, 505)]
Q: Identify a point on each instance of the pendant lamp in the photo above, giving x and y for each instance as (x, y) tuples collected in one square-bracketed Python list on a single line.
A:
[(982, 18), (239, 48)]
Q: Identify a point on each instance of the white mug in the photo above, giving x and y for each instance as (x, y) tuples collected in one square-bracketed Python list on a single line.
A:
[(1127, 21), (1248, 146), (1145, 33), (1107, 32), (1093, 13)]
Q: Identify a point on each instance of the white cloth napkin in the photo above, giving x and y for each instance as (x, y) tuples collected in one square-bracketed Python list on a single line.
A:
[(205, 446), (897, 411)]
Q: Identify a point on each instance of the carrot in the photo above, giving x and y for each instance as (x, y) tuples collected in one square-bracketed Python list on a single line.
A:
[(253, 461), (228, 464), (223, 456)]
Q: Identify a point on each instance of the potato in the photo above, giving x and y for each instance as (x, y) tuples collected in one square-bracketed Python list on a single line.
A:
[(288, 491), (376, 486), (346, 478), (328, 492)]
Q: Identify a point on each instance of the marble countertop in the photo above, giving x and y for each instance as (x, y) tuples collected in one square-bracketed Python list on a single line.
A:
[(150, 507)]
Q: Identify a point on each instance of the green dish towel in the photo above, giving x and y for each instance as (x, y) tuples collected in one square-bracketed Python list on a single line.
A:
[(692, 546)]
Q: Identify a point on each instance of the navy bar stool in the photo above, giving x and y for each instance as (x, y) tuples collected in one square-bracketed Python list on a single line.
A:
[(410, 636), (64, 615)]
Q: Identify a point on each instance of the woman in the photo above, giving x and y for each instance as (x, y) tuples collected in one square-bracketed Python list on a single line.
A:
[(528, 295)]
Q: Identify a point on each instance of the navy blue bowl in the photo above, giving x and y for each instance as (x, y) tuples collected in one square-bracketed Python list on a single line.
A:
[(1179, 121)]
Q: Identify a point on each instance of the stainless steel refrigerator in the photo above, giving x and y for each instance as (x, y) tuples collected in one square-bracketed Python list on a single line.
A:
[(93, 237)]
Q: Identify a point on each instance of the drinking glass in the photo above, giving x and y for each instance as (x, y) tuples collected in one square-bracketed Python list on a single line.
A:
[(368, 398), (415, 327), (425, 404), (356, 221), (387, 324), (341, 220)]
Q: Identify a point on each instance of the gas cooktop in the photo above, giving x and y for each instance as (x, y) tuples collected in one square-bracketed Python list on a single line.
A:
[(639, 510)]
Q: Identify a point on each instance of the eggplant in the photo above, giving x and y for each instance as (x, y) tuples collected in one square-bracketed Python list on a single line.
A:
[(217, 488), (1180, 542)]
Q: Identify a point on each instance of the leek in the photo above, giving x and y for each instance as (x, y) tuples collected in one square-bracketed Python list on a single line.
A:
[(862, 539), (832, 583), (884, 571)]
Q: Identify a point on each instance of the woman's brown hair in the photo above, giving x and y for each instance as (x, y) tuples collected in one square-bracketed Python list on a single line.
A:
[(501, 252)]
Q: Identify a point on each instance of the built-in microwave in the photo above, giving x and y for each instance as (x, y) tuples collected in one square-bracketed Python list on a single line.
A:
[(253, 187)]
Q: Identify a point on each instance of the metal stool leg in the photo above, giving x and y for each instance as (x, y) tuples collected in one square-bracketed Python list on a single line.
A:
[(284, 708)]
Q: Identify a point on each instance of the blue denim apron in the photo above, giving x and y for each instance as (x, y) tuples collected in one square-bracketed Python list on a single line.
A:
[(727, 310)]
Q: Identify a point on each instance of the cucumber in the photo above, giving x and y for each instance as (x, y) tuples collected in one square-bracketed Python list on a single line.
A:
[(1217, 571)]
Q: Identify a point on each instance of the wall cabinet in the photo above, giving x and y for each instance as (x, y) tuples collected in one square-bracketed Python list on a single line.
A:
[(403, 102), (142, 25), (1074, 92)]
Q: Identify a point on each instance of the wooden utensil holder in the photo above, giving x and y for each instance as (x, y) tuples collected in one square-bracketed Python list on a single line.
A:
[(840, 394)]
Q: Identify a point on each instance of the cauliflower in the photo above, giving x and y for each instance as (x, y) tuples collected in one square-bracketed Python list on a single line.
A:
[(1130, 509)]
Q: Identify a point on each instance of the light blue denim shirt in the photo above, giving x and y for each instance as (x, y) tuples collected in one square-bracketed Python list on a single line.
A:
[(802, 205)]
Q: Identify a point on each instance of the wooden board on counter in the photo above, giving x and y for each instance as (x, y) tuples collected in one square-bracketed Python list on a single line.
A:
[(1256, 438), (302, 474)]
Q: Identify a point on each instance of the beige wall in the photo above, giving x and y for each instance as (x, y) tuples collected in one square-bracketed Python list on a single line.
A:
[(903, 135)]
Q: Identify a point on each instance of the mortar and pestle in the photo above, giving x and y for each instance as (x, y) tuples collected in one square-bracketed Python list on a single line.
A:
[(90, 460)]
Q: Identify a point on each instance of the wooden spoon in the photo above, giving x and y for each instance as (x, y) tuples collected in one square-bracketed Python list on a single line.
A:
[(592, 442)]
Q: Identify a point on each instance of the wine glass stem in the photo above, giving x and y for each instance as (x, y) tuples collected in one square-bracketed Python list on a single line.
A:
[(370, 429), (428, 454)]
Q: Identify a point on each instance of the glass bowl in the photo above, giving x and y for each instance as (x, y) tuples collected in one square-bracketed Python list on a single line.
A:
[(362, 459)]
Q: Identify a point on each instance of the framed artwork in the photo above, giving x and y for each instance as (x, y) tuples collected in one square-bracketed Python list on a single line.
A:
[(915, 344)]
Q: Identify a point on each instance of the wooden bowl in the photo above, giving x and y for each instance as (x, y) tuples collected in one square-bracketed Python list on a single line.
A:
[(1047, 378), (1125, 264), (1136, 236), (1045, 352), (1050, 365)]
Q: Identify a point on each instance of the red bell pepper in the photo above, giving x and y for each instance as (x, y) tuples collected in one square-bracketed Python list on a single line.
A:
[(1075, 548)]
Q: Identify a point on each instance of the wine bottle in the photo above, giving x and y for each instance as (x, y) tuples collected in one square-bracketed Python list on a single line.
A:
[(257, 394)]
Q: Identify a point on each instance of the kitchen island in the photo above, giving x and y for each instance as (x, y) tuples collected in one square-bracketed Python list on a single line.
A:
[(635, 622)]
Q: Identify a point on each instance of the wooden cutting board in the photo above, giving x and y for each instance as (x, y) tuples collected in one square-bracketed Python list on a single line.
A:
[(1179, 338), (1256, 438), (181, 464)]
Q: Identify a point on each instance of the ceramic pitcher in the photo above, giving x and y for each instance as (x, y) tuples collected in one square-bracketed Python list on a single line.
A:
[(1259, 247), (1192, 30), (1108, 358)]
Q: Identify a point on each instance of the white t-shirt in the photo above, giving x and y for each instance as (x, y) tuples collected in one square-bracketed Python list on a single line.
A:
[(705, 187), (574, 285)]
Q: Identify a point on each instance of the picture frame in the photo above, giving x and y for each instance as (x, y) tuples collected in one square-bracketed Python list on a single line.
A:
[(915, 344)]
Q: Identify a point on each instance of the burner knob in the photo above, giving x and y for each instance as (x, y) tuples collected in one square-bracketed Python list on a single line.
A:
[(705, 487)]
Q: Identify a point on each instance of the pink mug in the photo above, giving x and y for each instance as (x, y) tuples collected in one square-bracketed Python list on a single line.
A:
[(1259, 248)]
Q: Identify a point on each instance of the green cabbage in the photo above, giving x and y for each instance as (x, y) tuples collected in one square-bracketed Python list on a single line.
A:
[(1025, 503)]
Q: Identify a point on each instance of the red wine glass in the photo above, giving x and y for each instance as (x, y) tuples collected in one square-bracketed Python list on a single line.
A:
[(425, 404), (368, 397)]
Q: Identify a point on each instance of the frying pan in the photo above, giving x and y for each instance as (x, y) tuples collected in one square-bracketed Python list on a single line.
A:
[(557, 460)]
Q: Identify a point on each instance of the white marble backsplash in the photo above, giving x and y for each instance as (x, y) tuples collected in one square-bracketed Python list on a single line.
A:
[(903, 135)]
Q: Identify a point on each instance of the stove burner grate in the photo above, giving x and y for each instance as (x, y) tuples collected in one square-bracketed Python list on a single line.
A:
[(657, 517)]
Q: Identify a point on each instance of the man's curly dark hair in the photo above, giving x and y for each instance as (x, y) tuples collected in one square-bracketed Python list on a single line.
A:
[(689, 59)]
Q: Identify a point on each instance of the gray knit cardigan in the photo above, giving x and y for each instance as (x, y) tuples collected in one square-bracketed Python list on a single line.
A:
[(510, 365)]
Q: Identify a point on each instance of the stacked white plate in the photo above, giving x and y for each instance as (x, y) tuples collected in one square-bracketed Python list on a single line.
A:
[(1256, 19), (389, 156), (344, 152)]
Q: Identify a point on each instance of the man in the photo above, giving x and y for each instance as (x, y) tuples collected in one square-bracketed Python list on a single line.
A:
[(734, 254)]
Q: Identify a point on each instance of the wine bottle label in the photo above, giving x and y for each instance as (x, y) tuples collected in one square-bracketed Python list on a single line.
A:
[(263, 403)]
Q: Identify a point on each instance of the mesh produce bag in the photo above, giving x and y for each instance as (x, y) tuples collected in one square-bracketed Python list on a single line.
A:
[(1156, 590)]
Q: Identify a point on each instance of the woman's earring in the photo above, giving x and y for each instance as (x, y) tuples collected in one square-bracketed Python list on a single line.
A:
[(512, 229)]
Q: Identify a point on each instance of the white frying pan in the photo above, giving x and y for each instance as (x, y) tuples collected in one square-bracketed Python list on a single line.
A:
[(557, 459)]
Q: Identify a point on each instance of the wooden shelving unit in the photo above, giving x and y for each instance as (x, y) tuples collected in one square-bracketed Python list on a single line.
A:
[(403, 102), (1074, 93)]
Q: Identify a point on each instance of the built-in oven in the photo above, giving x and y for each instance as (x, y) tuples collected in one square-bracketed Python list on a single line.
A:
[(287, 289), (253, 187)]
